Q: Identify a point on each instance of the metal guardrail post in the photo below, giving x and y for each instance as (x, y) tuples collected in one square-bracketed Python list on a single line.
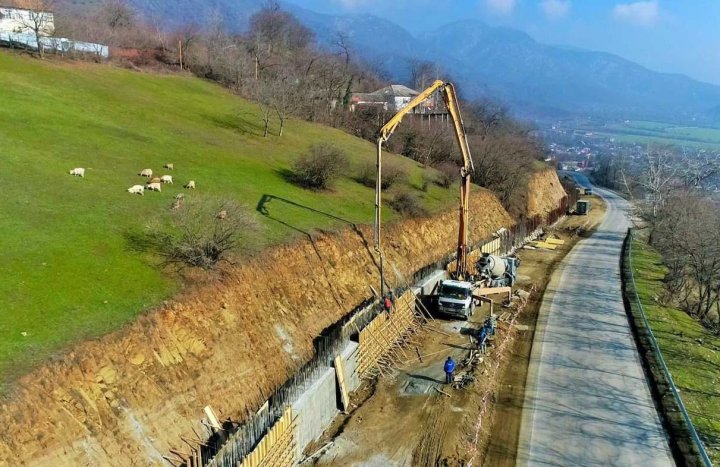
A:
[(656, 349)]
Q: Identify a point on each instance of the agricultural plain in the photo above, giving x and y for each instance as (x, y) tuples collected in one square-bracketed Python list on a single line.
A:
[(649, 132)]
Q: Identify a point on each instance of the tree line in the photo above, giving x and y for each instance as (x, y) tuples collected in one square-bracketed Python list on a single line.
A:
[(670, 189)]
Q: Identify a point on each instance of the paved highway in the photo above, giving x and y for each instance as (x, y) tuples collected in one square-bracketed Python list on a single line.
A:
[(587, 401)]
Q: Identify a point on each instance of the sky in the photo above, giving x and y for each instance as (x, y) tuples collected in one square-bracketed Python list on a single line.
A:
[(675, 36)]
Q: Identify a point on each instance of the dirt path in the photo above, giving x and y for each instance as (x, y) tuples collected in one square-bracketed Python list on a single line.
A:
[(413, 418)]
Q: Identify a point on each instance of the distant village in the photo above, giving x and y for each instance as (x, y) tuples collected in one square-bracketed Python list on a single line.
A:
[(587, 151)]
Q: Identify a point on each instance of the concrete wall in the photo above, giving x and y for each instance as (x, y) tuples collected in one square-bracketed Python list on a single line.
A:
[(315, 409), (350, 356)]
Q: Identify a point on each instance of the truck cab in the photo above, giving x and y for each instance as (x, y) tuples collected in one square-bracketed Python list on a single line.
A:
[(455, 299)]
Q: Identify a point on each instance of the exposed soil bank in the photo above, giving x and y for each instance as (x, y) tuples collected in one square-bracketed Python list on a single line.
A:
[(544, 193), (127, 398)]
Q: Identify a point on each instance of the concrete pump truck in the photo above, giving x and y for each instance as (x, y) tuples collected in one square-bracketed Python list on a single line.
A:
[(456, 297)]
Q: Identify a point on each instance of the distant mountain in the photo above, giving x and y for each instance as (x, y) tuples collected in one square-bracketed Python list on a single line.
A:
[(533, 79)]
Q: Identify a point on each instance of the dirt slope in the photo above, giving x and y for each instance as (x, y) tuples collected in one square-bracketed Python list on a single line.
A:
[(544, 192), (127, 398)]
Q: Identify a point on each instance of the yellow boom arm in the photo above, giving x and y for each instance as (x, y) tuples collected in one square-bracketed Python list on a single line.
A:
[(451, 102)]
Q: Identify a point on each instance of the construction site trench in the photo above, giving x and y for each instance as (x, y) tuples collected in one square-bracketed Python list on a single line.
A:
[(244, 369)]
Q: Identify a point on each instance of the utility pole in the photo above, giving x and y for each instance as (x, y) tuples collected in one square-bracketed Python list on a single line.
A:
[(180, 52)]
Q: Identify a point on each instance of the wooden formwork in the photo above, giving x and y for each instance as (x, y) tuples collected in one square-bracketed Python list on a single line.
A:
[(277, 448), (382, 339)]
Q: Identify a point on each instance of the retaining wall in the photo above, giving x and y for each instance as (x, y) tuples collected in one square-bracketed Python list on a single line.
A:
[(315, 409)]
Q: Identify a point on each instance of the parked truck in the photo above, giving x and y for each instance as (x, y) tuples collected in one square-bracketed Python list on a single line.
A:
[(458, 299)]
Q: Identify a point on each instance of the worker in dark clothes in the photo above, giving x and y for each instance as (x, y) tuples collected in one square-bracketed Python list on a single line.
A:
[(449, 369)]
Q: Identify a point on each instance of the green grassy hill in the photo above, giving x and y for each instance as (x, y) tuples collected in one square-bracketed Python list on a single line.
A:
[(67, 271), (691, 352)]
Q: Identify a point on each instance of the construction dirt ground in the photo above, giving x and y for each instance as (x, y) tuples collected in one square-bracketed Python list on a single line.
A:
[(413, 418)]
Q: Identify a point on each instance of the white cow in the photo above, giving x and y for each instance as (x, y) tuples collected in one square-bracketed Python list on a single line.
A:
[(169, 166), (190, 184), (137, 190), (166, 179), (153, 187), (146, 173), (78, 172)]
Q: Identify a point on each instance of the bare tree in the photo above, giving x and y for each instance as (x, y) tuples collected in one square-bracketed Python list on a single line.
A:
[(284, 100), (264, 94), (423, 73), (660, 171), (503, 163), (687, 231), (37, 19)]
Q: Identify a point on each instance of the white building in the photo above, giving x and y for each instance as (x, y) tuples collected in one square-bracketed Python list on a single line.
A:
[(393, 98), (18, 26), (22, 21)]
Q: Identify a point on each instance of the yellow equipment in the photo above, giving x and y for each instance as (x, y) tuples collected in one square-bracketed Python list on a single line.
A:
[(451, 102)]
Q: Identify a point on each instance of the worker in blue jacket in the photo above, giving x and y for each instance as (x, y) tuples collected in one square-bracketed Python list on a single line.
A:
[(449, 368), (482, 338)]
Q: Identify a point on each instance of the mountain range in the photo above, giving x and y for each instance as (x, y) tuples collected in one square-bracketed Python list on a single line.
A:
[(534, 80)]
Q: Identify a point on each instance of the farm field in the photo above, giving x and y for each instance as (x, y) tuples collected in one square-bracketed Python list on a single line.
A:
[(67, 270), (691, 352), (647, 132)]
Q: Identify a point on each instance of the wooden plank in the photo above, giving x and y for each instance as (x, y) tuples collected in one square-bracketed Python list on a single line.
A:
[(544, 245), (555, 241), (212, 418), (340, 372)]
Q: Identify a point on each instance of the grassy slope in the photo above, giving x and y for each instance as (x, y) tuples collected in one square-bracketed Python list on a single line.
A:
[(66, 271), (695, 367)]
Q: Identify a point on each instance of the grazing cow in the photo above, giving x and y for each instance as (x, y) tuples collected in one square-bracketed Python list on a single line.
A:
[(78, 172), (146, 173), (166, 179), (137, 190), (154, 180), (190, 185), (169, 166), (154, 187)]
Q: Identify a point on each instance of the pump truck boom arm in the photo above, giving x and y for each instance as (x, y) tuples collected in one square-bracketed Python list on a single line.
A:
[(451, 102)]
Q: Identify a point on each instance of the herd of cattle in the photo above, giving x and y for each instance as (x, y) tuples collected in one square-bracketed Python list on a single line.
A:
[(153, 184)]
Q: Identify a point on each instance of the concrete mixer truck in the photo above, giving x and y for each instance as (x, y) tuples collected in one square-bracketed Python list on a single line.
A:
[(497, 271), (457, 299)]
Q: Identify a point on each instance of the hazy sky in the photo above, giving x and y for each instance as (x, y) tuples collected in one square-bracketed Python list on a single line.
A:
[(680, 36)]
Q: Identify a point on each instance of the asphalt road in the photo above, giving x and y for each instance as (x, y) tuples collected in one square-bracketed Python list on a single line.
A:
[(587, 401)]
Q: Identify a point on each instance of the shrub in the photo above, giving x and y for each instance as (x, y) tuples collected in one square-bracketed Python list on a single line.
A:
[(392, 173), (408, 204), (448, 173), (201, 234), (426, 180), (319, 168)]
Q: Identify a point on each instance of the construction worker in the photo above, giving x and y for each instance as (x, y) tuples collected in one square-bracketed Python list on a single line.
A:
[(482, 337), (387, 304), (449, 369)]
